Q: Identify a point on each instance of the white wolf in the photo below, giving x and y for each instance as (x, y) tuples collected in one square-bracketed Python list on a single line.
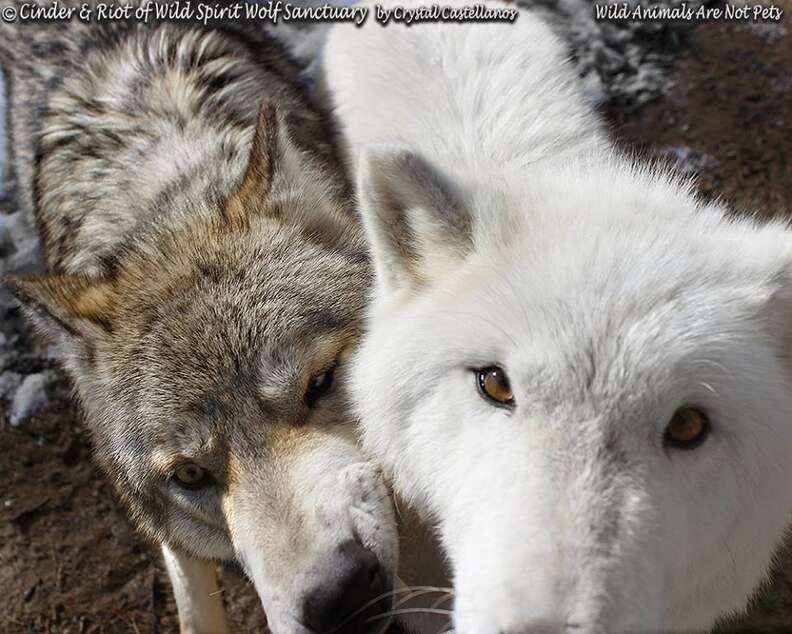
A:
[(574, 367)]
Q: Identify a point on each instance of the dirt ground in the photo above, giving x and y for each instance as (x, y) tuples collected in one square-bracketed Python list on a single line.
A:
[(69, 561)]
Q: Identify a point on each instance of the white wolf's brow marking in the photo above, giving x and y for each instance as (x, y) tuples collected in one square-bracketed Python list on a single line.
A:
[(488, 321), (714, 364)]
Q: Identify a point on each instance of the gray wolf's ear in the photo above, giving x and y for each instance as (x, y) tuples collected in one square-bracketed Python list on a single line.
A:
[(67, 308), (265, 152), (273, 159), (416, 225)]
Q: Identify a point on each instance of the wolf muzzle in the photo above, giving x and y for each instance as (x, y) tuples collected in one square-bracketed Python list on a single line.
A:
[(356, 591)]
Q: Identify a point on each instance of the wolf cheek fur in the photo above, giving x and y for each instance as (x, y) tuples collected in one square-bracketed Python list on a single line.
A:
[(508, 233), (206, 287)]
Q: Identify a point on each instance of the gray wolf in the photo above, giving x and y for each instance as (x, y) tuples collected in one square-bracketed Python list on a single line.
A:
[(205, 287), (573, 367)]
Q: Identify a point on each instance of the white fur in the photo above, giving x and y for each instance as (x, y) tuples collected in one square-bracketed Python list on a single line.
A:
[(335, 496), (198, 597), (610, 296)]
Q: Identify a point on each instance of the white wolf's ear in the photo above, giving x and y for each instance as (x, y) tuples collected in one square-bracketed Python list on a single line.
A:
[(416, 225), (67, 308)]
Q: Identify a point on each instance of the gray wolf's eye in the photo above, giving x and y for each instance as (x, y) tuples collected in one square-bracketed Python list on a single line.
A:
[(493, 384), (318, 386), (190, 476), (687, 429)]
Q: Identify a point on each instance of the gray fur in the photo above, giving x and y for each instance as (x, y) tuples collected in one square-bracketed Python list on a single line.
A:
[(199, 279)]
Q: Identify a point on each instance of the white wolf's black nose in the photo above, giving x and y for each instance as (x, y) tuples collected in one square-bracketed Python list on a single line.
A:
[(355, 581)]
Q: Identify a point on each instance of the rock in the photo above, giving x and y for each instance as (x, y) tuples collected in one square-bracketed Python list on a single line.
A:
[(621, 62), (684, 160), (23, 253), (9, 382), (30, 397)]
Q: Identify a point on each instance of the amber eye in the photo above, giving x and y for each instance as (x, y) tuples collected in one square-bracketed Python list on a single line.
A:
[(687, 429), (190, 476), (494, 385)]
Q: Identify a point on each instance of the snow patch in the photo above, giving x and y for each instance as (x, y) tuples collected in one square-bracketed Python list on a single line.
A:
[(30, 397)]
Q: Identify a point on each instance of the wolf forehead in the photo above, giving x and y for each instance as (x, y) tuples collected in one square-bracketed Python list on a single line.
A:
[(636, 290), (259, 286), (265, 299)]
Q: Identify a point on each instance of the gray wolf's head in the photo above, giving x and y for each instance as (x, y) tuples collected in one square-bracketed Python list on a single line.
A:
[(583, 377), (212, 364)]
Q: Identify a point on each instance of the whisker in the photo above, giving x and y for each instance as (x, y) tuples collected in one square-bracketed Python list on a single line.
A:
[(426, 589), (366, 606), (384, 595), (419, 593), (443, 599), (387, 615)]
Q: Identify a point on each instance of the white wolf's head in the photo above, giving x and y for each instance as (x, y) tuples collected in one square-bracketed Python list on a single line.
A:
[(583, 378)]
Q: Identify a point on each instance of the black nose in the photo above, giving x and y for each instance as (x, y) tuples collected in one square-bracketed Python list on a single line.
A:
[(350, 595)]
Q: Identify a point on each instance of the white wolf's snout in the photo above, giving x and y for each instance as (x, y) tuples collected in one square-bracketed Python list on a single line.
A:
[(328, 561), (551, 548)]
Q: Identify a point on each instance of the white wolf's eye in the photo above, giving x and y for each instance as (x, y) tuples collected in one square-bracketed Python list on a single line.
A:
[(687, 429), (494, 385), (190, 476)]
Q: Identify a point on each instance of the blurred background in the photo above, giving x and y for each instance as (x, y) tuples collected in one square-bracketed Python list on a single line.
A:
[(713, 98)]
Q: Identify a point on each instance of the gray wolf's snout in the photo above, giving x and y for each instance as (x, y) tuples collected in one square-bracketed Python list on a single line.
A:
[(353, 594)]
